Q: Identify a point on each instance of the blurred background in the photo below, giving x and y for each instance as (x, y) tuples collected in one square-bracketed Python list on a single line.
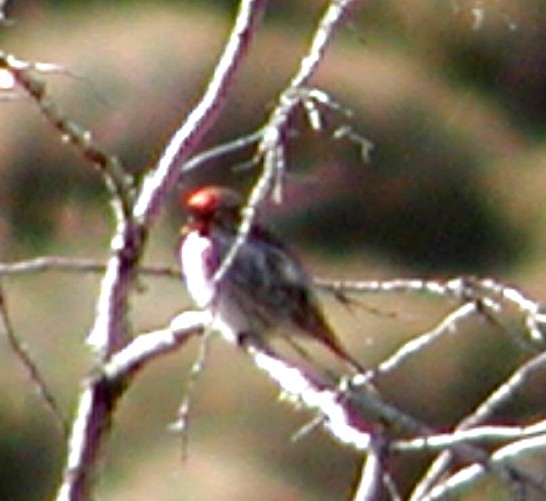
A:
[(453, 97)]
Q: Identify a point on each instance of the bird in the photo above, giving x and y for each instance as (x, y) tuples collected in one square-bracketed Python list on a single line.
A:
[(265, 288)]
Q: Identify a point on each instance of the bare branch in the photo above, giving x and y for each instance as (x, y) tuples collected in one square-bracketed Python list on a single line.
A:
[(220, 151), (369, 487), (34, 373), (471, 474), (115, 178), (535, 317), (351, 410), (182, 423), (128, 242), (110, 332), (506, 391), (203, 116), (352, 413), (448, 325), (272, 147), (77, 265), (146, 347), (494, 434), (102, 393)]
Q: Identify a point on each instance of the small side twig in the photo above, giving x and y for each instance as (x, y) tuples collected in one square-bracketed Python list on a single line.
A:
[(506, 391), (116, 180), (447, 325), (503, 456), (70, 264), (272, 147), (182, 424), (370, 484), (103, 392), (34, 373), (220, 151), (202, 117)]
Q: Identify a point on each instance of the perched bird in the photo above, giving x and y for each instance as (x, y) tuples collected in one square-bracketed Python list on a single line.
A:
[(264, 289)]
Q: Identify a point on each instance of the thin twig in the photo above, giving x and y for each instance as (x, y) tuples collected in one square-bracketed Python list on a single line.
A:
[(507, 390), (493, 434), (503, 456), (448, 325), (34, 372), (202, 117), (272, 147), (182, 424), (351, 414), (369, 486), (220, 151), (77, 265), (116, 180)]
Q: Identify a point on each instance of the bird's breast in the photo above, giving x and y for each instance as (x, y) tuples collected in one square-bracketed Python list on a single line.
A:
[(197, 261)]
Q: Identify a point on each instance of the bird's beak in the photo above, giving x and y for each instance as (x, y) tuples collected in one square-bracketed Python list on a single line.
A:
[(192, 224)]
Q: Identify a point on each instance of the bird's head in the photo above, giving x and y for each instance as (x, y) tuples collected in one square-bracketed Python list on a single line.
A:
[(212, 206)]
